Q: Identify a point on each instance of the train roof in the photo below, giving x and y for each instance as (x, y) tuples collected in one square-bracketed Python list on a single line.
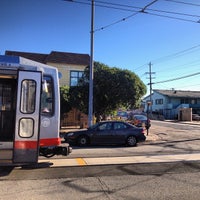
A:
[(17, 62)]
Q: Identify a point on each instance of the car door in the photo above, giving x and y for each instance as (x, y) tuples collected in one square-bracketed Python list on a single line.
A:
[(119, 132), (102, 134)]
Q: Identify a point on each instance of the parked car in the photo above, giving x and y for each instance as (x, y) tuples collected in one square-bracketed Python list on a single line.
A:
[(141, 121), (123, 115), (107, 132), (195, 117)]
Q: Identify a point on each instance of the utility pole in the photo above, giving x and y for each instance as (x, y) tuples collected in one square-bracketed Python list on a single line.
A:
[(149, 103), (150, 82), (150, 73), (90, 103)]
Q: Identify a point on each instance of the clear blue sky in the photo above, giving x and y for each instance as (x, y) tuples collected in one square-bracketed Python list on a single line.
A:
[(171, 45)]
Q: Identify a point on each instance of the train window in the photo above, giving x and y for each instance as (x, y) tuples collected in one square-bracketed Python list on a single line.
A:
[(26, 127), (28, 96), (47, 96)]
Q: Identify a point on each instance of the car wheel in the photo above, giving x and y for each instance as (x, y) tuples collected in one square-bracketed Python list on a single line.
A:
[(83, 140), (131, 141)]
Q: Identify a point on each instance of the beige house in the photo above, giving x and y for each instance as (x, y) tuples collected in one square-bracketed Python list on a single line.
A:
[(71, 66)]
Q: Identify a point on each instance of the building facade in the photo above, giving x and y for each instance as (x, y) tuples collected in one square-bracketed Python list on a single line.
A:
[(169, 102), (70, 65)]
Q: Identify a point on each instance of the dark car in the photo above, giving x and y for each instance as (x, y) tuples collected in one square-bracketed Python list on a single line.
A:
[(107, 132), (195, 117), (141, 121)]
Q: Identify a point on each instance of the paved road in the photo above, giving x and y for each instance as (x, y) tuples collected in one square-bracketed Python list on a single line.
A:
[(163, 181), (164, 138), (134, 179)]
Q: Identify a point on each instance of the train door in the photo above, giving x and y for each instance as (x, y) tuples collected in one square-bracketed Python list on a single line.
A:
[(7, 118), (26, 140)]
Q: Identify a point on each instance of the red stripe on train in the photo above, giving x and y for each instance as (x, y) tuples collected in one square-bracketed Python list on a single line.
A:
[(33, 144), (50, 142), (25, 144)]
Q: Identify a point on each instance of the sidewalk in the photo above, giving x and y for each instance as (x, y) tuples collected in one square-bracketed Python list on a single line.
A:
[(185, 122), (122, 160)]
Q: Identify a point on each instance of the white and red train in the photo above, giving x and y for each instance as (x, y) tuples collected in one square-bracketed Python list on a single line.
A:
[(29, 111)]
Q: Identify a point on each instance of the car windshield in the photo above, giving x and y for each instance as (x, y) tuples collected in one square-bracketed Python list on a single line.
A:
[(140, 117)]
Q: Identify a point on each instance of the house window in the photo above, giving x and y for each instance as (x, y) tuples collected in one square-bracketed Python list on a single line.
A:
[(74, 77), (159, 101), (193, 101), (185, 101)]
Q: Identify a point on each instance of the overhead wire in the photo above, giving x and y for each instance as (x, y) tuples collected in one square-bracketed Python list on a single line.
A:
[(182, 2), (177, 54), (178, 78), (116, 22), (123, 19), (171, 17), (177, 67), (144, 10), (170, 56)]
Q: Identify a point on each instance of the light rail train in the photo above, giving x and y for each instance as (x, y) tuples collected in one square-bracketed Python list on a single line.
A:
[(29, 111)]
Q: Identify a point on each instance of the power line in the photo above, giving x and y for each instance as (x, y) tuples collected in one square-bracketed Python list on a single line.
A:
[(123, 19), (159, 15), (174, 13), (176, 67), (170, 56), (182, 2), (120, 6), (116, 22), (175, 79), (144, 10), (139, 9), (107, 5), (171, 17), (174, 55)]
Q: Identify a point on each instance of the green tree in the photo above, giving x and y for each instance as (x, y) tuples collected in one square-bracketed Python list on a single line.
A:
[(113, 88), (65, 105)]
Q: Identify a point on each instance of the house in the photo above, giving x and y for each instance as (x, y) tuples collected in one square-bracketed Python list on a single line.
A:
[(169, 102), (70, 66)]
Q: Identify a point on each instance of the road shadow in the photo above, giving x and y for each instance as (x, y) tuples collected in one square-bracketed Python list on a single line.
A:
[(39, 165), (5, 170), (102, 146)]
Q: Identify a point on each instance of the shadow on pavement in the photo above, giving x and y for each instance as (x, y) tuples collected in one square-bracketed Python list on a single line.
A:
[(5, 170)]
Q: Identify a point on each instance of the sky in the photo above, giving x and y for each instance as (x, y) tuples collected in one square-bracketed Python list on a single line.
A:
[(128, 34)]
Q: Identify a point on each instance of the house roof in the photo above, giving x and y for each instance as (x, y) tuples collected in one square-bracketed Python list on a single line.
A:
[(70, 58), (179, 93), (38, 57), (54, 57)]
